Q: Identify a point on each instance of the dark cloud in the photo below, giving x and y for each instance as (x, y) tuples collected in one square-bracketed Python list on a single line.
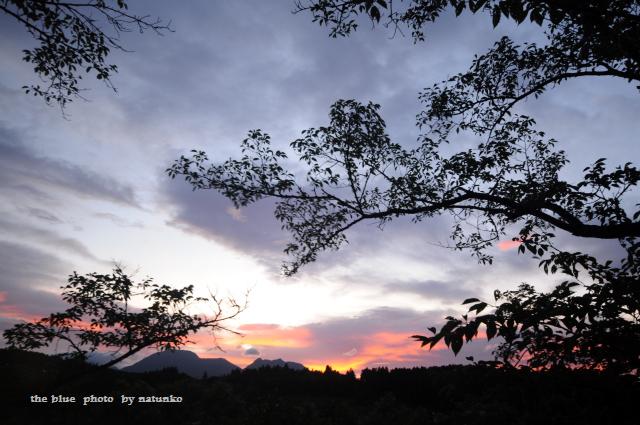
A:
[(256, 65), (252, 229), (295, 73), (382, 319), (251, 352), (433, 290), (43, 215), (22, 169), (40, 236), (24, 267), (29, 279)]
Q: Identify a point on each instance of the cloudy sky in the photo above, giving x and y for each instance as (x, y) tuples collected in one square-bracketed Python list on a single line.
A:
[(86, 192)]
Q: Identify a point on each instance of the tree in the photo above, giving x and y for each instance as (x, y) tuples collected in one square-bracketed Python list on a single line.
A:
[(72, 41), (101, 316), (588, 34), (512, 178), (584, 38)]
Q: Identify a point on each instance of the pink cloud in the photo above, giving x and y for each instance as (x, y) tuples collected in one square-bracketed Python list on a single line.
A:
[(257, 327), (14, 312), (507, 245)]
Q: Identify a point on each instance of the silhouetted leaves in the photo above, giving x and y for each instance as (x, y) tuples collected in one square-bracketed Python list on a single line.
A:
[(591, 33), (72, 41), (355, 173), (101, 316)]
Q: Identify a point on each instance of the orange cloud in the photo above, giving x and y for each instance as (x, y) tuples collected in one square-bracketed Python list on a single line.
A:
[(263, 335), (507, 245), (259, 335), (3, 296), (378, 348)]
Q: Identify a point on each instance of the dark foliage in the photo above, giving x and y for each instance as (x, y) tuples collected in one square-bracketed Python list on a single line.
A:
[(101, 316), (444, 395), (72, 41), (596, 37)]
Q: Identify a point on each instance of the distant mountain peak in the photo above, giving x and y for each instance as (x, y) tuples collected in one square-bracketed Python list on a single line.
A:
[(260, 362), (184, 361)]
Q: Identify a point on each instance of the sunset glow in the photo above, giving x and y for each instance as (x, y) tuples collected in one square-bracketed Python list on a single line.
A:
[(272, 336), (14, 312), (370, 350)]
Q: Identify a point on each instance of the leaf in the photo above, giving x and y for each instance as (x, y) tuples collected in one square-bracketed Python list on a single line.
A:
[(491, 330), (470, 300), (471, 330), (474, 6), (478, 307), (456, 343), (536, 17), (434, 340), (496, 16), (374, 13), (422, 339)]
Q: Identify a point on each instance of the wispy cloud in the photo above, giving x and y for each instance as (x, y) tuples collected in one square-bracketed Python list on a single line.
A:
[(22, 169), (117, 220), (44, 237)]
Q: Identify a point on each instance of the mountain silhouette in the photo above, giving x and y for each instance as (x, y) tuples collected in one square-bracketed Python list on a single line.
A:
[(258, 363), (184, 361), (189, 363)]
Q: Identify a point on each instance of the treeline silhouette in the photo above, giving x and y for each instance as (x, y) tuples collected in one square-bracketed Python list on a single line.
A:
[(436, 395)]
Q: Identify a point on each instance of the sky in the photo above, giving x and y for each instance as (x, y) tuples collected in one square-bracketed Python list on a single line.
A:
[(88, 191)]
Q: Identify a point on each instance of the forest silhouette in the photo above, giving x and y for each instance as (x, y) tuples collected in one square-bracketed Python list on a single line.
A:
[(436, 395)]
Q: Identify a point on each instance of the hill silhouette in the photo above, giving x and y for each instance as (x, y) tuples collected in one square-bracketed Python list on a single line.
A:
[(189, 363), (260, 362), (184, 361)]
